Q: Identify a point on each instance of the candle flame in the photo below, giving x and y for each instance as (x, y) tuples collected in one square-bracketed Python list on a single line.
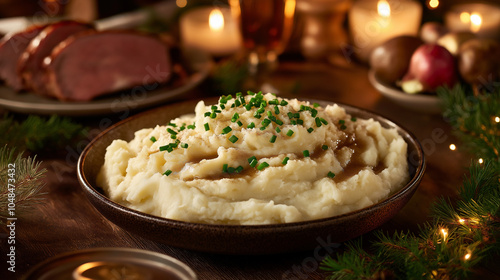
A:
[(475, 22), (433, 4), (216, 20), (383, 8)]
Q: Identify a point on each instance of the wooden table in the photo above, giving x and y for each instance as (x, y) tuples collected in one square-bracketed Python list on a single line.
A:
[(66, 221)]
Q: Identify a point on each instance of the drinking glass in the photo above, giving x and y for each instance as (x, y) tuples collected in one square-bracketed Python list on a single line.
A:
[(266, 26)]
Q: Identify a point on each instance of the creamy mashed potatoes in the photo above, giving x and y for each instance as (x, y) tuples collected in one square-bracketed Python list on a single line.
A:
[(256, 159)]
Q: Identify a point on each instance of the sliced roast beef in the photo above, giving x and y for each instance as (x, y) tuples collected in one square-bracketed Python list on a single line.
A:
[(91, 64), (30, 63), (12, 47)]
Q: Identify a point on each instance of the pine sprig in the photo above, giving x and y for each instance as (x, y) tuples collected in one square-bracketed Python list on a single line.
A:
[(23, 190), (464, 233), (38, 134)]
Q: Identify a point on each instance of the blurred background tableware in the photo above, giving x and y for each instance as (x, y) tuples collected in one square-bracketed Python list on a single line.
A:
[(372, 22), (266, 26)]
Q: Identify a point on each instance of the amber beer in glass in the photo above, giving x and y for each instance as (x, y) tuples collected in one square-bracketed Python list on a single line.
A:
[(265, 27)]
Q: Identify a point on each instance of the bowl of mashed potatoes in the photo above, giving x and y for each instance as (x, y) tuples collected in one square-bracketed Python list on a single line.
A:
[(251, 173)]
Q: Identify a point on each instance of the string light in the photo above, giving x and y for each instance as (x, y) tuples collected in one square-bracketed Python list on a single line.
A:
[(453, 147), (467, 256), (461, 221), (444, 232), (480, 161), (497, 119)]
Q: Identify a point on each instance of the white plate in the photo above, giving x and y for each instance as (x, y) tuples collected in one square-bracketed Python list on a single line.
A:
[(418, 102), (196, 65)]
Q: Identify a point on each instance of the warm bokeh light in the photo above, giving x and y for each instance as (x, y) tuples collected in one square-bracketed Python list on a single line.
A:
[(497, 119), (480, 161), (181, 3), (216, 20), (475, 22), (467, 256), (433, 4), (461, 221), (444, 232), (383, 8), (465, 17), (453, 147)]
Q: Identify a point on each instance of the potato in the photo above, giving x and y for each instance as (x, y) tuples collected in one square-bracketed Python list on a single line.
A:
[(391, 59)]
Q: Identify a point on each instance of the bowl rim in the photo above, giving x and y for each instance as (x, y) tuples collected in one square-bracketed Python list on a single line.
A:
[(410, 186)]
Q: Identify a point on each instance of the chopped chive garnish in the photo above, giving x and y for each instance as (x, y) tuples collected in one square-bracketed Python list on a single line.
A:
[(293, 122), (233, 139), (323, 121), (184, 145), (257, 115), (343, 127), (167, 148), (192, 126), (269, 113), (341, 122), (314, 113), (153, 139), (263, 165), (214, 107), (273, 102), (276, 110), (283, 103), (250, 159), (251, 125), (207, 127), (273, 139), (318, 122), (315, 105), (173, 136), (331, 174), (354, 119), (224, 167), (213, 115), (300, 121), (248, 107), (207, 114), (239, 123), (226, 130), (171, 131), (305, 153), (239, 169), (222, 106), (285, 160), (168, 172), (324, 147), (278, 130), (310, 129), (289, 132), (235, 117), (172, 124)]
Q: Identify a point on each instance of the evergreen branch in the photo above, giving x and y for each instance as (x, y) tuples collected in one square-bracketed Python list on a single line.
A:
[(37, 134), (20, 183)]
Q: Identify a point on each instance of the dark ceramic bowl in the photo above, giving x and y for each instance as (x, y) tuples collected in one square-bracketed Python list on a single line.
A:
[(239, 239)]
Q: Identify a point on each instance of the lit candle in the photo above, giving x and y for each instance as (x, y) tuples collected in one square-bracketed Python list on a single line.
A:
[(210, 29), (372, 22), (478, 18)]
